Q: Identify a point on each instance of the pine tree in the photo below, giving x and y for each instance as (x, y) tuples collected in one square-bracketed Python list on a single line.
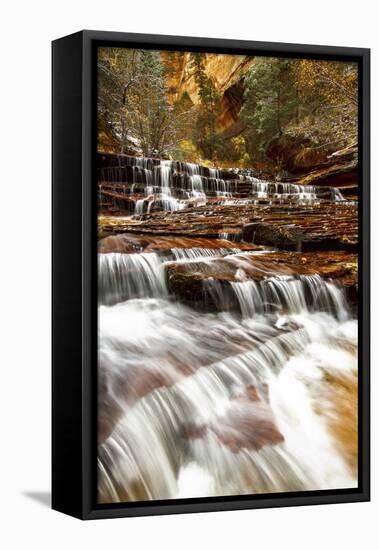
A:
[(133, 102), (118, 75), (270, 101), (205, 130)]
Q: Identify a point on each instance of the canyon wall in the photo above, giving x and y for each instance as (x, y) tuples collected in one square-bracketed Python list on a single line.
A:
[(226, 71)]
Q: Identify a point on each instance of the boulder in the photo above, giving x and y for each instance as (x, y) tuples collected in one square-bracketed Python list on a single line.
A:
[(279, 236), (248, 424), (294, 153)]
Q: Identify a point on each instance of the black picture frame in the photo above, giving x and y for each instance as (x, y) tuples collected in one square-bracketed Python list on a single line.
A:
[(74, 295)]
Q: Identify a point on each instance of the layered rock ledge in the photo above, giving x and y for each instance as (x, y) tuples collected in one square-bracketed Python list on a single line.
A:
[(331, 226), (187, 281)]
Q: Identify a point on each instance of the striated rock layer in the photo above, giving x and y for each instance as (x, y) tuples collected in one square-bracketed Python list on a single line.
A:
[(226, 71), (329, 226)]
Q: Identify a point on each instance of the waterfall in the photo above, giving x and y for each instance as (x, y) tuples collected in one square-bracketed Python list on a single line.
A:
[(195, 254), (337, 195), (173, 185), (222, 403), (214, 173), (221, 371), (126, 276), (196, 424), (196, 185), (290, 294), (165, 174), (139, 206)]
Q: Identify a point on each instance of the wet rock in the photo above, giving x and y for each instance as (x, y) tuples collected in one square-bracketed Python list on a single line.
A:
[(249, 423), (122, 244), (321, 228), (193, 431), (250, 428), (114, 396), (200, 283), (328, 226), (282, 236), (130, 243), (342, 417), (187, 283)]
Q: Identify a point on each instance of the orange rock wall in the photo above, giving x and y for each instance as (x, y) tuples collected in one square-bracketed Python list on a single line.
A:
[(226, 71)]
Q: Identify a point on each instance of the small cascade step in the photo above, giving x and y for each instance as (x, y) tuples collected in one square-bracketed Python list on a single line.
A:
[(173, 185)]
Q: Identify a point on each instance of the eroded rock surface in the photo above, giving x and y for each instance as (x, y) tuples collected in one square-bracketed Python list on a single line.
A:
[(188, 280), (328, 226)]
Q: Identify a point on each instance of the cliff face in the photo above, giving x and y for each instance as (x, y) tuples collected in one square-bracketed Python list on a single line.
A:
[(227, 73)]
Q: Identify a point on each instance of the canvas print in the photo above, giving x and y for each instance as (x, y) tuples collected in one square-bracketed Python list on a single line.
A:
[(227, 213)]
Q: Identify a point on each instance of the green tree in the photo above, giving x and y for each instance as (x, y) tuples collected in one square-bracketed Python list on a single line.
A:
[(271, 101), (118, 75), (133, 104), (149, 112), (329, 93), (205, 129)]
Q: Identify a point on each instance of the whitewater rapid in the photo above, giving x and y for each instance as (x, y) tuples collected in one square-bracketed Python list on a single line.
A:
[(238, 401)]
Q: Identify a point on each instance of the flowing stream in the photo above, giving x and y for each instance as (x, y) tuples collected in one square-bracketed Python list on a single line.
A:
[(140, 184), (191, 392), (240, 398)]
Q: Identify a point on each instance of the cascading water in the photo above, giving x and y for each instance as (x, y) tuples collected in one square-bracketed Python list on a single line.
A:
[(139, 206), (151, 184), (295, 295), (125, 276), (241, 400)]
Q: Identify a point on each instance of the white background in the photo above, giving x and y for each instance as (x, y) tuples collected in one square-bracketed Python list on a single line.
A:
[(26, 31)]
